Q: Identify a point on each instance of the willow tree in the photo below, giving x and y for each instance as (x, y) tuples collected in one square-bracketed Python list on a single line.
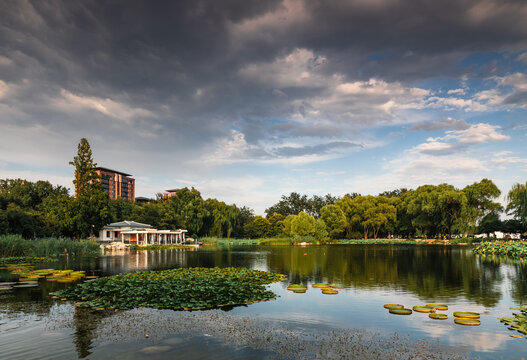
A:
[(517, 206), (85, 174)]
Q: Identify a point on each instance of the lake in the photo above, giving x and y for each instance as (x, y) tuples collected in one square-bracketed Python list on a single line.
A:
[(351, 324)]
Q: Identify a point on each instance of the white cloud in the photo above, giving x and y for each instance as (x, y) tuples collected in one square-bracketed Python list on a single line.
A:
[(299, 68), (70, 102), (456, 92), (477, 134)]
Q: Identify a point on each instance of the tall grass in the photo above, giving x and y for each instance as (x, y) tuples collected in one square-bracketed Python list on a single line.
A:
[(15, 245)]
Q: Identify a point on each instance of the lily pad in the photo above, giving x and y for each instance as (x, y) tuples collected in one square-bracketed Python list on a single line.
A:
[(330, 292), (400, 311), (437, 316), (438, 306), (466, 314), (393, 306), (423, 309), (177, 289), (319, 285), (467, 321)]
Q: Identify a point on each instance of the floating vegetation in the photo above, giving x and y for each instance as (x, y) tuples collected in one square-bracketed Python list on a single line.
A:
[(400, 311), (467, 321), (511, 248), (319, 285), (437, 316), (177, 289), (329, 291), (393, 306), (24, 259), (28, 277), (336, 286), (297, 288), (518, 322), (423, 309), (466, 314), (438, 306)]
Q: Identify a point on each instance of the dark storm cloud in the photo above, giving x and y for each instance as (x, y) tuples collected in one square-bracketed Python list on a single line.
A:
[(170, 70)]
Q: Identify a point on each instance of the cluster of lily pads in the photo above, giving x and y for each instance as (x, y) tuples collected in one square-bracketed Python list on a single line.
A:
[(511, 248), (177, 289), (460, 317), (328, 289), (29, 277), (518, 322)]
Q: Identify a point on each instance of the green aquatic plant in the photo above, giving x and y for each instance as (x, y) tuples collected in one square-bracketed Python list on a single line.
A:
[(177, 289), (511, 248), (466, 314), (400, 311), (467, 321), (438, 306), (423, 309), (437, 316), (518, 322), (24, 259), (393, 306)]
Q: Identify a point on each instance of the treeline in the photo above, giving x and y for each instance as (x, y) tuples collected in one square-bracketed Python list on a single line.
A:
[(428, 211), (39, 209)]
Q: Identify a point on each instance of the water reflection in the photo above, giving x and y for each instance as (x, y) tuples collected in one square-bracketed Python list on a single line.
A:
[(444, 273)]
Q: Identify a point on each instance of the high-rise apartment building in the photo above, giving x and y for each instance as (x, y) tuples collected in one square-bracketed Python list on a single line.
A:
[(117, 184)]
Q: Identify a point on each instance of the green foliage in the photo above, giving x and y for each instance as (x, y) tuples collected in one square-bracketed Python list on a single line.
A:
[(16, 245), (277, 225), (295, 203), (177, 289), (286, 229), (512, 248), (517, 206), (321, 233), (518, 322), (85, 174), (334, 219), (261, 227), (303, 225)]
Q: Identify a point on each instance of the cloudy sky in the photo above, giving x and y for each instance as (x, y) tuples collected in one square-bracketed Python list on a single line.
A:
[(248, 100)]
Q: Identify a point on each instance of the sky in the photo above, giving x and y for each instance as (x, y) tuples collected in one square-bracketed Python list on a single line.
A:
[(249, 100)]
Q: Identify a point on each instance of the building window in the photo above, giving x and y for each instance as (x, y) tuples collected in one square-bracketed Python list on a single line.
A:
[(107, 234)]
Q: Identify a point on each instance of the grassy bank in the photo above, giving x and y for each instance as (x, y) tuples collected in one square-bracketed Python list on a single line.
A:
[(293, 241), (16, 246), (511, 248)]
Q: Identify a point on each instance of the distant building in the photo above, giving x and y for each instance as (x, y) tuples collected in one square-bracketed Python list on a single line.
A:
[(117, 184), (142, 200), (169, 193), (134, 233)]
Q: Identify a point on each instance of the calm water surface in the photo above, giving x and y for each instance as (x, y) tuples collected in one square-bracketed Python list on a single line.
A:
[(32, 325)]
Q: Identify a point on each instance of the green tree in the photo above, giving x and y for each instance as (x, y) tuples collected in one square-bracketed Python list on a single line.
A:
[(517, 203), (287, 225), (334, 219), (381, 213), (85, 174), (303, 225), (277, 225), (321, 233), (261, 227)]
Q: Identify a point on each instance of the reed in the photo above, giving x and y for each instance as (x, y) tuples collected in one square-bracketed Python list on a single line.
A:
[(16, 246)]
